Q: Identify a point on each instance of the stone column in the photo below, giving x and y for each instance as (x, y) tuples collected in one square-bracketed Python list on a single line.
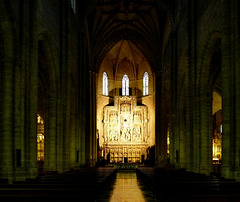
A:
[(7, 149), (7, 101), (19, 114), (21, 97), (92, 134), (236, 71), (59, 129), (192, 107), (73, 144), (230, 75), (67, 91), (63, 99), (237, 103), (160, 130), (182, 132), (229, 66), (83, 100), (32, 91), (205, 129), (175, 117), (50, 157)]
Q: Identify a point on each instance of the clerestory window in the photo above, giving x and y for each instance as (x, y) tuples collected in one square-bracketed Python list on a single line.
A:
[(40, 138), (145, 83), (125, 85), (105, 84)]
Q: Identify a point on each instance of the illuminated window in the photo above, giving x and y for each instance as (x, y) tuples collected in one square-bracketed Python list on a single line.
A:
[(40, 138), (105, 83), (145, 83), (168, 143), (73, 4), (125, 85), (217, 137)]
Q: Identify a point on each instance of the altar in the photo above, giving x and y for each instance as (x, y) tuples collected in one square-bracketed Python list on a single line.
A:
[(125, 127)]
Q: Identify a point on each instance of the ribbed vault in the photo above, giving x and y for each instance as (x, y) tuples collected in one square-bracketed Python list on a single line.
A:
[(142, 22)]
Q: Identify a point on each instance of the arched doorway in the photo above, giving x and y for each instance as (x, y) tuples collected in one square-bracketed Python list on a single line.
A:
[(217, 132)]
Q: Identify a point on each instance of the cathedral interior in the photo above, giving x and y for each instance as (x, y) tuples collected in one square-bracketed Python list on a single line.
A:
[(106, 83)]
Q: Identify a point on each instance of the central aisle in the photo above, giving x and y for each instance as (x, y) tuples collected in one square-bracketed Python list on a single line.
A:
[(127, 188)]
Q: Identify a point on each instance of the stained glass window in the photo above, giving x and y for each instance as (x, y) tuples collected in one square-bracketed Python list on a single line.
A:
[(105, 83), (145, 83), (125, 85), (40, 138)]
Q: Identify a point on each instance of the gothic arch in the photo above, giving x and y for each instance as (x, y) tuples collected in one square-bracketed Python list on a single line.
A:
[(51, 74), (138, 42), (48, 91), (209, 70), (206, 70), (140, 32)]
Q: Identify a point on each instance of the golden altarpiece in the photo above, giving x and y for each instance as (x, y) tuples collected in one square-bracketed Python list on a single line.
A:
[(125, 127)]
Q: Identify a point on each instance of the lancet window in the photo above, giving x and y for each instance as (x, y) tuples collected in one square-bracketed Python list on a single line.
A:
[(145, 83), (105, 84), (125, 85), (40, 138)]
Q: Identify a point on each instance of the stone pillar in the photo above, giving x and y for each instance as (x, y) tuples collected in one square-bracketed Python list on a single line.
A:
[(237, 97), (174, 108), (93, 130), (73, 143), (59, 129), (67, 91), (160, 130), (236, 71), (7, 149), (230, 77), (192, 127), (182, 132), (21, 97), (32, 91), (83, 101), (50, 157), (63, 96), (19, 132), (189, 124), (205, 129)]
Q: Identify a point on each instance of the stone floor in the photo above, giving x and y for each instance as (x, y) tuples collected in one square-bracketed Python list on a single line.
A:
[(127, 188)]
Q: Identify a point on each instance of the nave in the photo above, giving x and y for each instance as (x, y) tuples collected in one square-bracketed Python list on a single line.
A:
[(109, 184)]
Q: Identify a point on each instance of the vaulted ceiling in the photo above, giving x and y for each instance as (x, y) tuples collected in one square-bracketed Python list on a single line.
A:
[(146, 23)]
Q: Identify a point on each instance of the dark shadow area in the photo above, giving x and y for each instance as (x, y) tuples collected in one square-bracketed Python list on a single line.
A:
[(84, 184), (180, 185)]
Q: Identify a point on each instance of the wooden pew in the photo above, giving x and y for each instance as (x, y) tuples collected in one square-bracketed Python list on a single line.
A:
[(84, 185), (180, 185)]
